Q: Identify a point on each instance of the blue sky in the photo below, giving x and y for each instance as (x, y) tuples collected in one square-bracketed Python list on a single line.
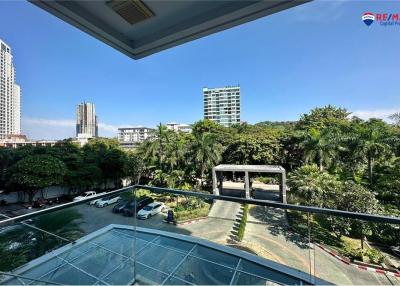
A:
[(316, 54)]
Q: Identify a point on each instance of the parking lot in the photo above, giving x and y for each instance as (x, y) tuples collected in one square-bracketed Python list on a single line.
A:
[(216, 227), (94, 218)]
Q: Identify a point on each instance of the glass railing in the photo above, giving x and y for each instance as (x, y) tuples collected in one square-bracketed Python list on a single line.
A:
[(150, 235)]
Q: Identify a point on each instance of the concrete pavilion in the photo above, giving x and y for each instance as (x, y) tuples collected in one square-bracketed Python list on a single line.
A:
[(217, 174)]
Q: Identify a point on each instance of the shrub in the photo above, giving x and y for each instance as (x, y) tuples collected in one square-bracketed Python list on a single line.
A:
[(191, 208), (181, 214), (374, 256), (366, 255), (267, 180)]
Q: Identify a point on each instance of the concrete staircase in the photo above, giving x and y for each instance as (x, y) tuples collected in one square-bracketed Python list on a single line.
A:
[(233, 235)]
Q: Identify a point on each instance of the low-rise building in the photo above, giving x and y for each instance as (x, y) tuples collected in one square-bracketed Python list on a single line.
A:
[(130, 137), (179, 127), (18, 140)]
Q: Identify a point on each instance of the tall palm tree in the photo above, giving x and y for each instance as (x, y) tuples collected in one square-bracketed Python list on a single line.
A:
[(175, 150), (319, 146), (372, 143), (154, 150), (207, 152)]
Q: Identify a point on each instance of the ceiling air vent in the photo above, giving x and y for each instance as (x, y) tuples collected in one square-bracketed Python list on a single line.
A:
[(133, 11)]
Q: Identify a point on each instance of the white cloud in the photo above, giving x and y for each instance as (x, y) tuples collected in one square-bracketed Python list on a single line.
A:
[(108, 127), (377, 113), (49, 122), (41, 128)]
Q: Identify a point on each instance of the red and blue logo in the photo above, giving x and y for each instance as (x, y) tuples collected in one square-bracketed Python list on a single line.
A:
[(382, 19), (368, 18)]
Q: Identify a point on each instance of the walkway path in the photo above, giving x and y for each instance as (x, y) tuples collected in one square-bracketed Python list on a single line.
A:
[(219, 223)]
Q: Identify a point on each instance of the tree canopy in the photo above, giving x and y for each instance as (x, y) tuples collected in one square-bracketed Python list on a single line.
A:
[(36, 172)]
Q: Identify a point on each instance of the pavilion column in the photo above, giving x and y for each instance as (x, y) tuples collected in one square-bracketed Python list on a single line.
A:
[(282, 187), (221, 182), (247, 184), (215, 186)]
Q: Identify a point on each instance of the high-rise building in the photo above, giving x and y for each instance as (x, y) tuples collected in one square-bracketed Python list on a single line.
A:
[(86, 120), (222, 105), (10, 95)]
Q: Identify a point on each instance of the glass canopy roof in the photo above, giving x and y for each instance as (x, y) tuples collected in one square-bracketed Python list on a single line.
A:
[(106, 257)]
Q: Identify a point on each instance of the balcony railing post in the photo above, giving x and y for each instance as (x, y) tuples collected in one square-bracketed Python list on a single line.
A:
[(135, 235)]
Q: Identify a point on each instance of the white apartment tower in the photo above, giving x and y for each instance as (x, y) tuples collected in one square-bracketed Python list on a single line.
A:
[(10, 95), (86, 120), (222, 105)]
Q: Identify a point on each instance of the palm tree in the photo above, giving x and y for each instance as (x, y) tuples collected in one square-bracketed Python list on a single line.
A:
[(319, 146), (371, 143), (153, 150), (175, 150), (207, 152)]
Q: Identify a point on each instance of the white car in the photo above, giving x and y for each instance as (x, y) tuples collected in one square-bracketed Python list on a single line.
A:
[(85, 195), (150, 210), (103, 202), (92, 203)]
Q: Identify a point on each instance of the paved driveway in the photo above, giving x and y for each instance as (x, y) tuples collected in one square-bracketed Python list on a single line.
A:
[(268, 228)]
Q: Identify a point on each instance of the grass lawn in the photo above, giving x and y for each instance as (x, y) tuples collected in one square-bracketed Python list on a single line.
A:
[(182, 215)]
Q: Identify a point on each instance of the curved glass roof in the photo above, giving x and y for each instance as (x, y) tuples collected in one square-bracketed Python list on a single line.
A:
[(106, 257)]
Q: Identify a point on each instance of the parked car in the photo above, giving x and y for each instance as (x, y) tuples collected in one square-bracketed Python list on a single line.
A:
[(396, 250), (38, 203), (129, 209), (119, 207), (150, 210), (92, 203), (103, 202), (85, 195)]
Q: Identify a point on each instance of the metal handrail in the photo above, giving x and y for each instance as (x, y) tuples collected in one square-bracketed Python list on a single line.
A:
[(60, 207), (354, 215), (346, 214)]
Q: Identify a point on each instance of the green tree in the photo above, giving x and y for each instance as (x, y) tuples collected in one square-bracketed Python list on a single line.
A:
[(319, 146), (222, 134), (353, 198), (36, 172), (313, 187), (253, 148), (396, 118), (175, 150), (134, 167), (106, 155), (206, 153), (153, 150), (6, 160), (292, 152), (321, 117), (387, 181), (371, 142)]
